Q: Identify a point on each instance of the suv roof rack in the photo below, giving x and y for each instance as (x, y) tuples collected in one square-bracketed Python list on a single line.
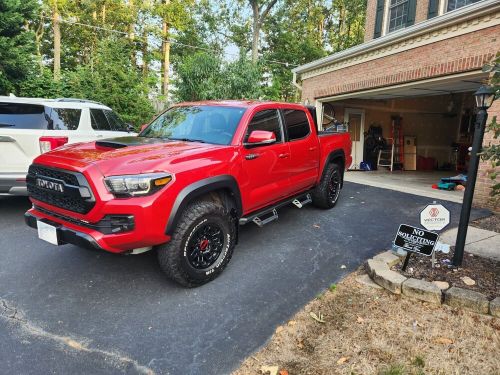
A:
[(76, 100)]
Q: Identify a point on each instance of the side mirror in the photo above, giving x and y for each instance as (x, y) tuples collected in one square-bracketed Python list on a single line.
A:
[(260, 138), (130, 128), (143, 126)]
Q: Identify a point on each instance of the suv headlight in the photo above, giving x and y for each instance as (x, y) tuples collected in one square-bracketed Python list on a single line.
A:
[(139, 184)]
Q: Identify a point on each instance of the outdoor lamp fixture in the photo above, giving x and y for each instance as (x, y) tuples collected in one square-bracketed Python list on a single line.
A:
[(484, 99)]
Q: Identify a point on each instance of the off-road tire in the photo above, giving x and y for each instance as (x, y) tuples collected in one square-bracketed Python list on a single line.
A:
[(173, 256), (321, 195)]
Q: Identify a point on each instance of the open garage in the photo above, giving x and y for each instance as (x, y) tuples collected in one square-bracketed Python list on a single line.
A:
[(421, 132)]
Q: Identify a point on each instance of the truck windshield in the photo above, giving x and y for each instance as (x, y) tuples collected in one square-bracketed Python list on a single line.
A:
[(209, 124)]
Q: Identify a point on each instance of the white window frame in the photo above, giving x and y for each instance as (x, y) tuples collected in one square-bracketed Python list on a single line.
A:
[(386, 21), (444, 6)]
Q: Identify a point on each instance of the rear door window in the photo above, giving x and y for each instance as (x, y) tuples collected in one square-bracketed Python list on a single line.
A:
[(267, 120), (115, 122), (65, 118), (23, 116), (297, 124), (98, 120)]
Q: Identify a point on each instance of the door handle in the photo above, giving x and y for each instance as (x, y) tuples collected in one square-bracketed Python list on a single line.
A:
[(312, 148), (252, 156), (283, 156)]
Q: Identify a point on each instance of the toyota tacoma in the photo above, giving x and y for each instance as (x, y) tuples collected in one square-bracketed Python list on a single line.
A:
[(188, 181)]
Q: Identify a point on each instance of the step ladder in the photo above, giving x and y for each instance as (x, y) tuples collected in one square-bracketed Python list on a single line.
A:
[(386, 157)]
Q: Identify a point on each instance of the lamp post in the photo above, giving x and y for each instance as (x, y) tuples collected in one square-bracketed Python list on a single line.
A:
[(484, 98)]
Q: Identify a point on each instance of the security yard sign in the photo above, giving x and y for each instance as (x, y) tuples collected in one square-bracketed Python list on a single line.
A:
[(434, 217), (415, 240)]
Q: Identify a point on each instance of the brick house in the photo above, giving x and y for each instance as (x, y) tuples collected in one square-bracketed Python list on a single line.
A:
[(413, 80)]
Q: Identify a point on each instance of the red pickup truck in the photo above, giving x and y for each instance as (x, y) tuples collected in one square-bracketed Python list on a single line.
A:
[(186, 183)]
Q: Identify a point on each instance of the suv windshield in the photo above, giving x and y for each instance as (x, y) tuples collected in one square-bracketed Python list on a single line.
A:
[(210, 124)]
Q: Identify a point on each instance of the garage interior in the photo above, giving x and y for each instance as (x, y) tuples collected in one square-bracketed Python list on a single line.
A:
[(410, 136)]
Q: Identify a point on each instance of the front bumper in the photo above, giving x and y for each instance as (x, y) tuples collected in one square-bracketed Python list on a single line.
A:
[(13, 184), (64, 234), (120, 228)]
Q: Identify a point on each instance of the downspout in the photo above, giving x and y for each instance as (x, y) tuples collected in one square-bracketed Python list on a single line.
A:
[(295, 83)]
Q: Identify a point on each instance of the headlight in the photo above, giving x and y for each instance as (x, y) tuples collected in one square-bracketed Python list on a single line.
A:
[(139, 184)]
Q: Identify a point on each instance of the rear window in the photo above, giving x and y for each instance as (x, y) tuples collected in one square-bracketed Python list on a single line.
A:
[(32, 116), (297, 124), (23, 116), (115, 122), (65, 118), (98, 120)]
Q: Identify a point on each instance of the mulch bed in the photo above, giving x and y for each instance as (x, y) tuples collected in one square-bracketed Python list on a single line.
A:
[(484, 271), (489, 223)]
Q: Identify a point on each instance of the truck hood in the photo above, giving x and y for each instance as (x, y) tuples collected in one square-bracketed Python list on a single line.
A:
[(127, 155)]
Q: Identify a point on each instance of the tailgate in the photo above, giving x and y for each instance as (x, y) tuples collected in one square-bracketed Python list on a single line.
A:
[(18, 149)]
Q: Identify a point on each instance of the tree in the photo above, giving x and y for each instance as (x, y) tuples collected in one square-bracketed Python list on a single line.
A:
[(204, 76), (175, 15), (260, 10), (114, 81), (491, 153), (294, 37), (16, 42), (344, 23)]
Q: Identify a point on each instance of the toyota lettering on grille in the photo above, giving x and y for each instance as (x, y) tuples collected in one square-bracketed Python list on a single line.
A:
[(50, 185)]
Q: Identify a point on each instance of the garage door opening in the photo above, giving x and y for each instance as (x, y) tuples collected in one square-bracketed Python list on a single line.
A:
[(412, 138)]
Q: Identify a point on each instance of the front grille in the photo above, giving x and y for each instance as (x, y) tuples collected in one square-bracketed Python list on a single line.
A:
[(68, 177), (70, 199)]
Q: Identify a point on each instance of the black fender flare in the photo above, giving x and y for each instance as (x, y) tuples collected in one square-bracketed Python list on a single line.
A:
[(199, 188), (334, 155)]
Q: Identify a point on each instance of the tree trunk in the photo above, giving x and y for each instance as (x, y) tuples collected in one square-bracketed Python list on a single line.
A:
[(165, 60), (103, 14), (145, 57), (255, 30), (131, 35), (57, 42), (38, 42)]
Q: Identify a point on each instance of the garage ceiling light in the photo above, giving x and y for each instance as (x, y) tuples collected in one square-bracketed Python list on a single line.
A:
[(484, 97)]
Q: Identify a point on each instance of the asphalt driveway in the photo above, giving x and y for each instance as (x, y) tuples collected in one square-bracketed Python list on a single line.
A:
[(69, 310)]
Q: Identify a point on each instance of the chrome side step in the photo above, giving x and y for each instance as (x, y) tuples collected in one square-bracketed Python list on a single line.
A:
[(273, 215), (269, 214), (301, 204)]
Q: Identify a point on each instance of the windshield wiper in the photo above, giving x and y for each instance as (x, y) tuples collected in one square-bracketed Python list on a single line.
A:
[(6, 125), (188, 140)]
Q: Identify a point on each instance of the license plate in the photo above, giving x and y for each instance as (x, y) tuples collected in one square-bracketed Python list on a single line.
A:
[(47, 232)]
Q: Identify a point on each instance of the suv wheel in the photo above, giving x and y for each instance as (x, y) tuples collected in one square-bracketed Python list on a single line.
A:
[(201, 245), (326, 194)]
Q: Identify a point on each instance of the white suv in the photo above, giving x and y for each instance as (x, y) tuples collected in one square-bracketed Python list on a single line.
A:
[(30, 126)]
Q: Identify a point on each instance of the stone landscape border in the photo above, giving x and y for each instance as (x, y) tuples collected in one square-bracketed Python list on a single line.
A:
[(379, 269)]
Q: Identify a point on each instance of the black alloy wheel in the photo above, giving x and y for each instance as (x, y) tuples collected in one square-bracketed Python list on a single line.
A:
[(205, 246)]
